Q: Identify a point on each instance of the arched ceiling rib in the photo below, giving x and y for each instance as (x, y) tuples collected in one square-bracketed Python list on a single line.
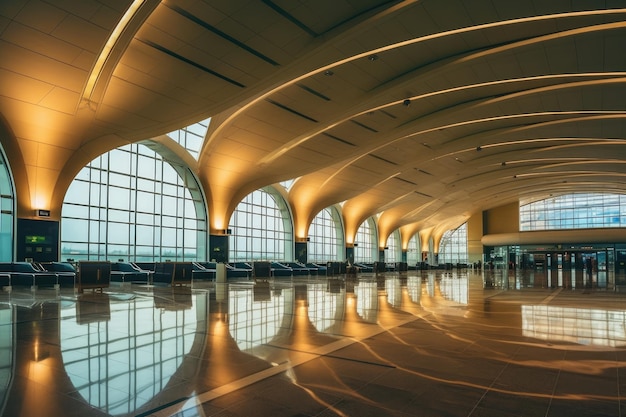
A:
[(422, 111)]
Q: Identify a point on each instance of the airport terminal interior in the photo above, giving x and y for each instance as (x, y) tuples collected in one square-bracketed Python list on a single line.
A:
[(312, 207)]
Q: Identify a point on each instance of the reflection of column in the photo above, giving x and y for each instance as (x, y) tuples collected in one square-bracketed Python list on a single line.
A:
[(38, 356)]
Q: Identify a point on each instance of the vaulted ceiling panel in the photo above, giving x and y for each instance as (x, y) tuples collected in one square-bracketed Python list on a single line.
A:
[(498, 94)]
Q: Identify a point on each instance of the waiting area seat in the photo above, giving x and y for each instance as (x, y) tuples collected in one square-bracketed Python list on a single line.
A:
[(231, 270), (65, 272), (203, 273), (364, 267), (319, 269), (26, 274), (281, 270), (298, 269), (125, 272)]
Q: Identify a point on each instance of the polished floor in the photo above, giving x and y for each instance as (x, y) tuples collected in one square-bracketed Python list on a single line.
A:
[(446, 343)]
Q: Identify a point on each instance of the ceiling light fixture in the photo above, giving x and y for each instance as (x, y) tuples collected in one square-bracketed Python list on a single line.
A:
[(373, 57), (94, 75), (406, 102), (329, 73)]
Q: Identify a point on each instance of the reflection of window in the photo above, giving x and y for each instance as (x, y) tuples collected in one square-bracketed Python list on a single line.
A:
[(454, 288), (324, 305), (254, 323), (130, 203), (414, 288), (366, 293), (119, 365), (574, 211), (366, 239), (6, 352), (394, 291), (261, 229), (6, 212), (325, 237), (577, 325)]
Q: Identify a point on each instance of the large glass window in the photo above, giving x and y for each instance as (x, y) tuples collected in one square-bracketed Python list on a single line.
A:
[(393, 250), (132, 204), (261, 228), (192, 137), (414, 253), (366, 249), (574, 211), (6, 212), (326, 237), (453, 246)]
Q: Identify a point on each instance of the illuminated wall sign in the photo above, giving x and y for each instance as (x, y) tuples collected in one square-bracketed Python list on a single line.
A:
[(36, 239)]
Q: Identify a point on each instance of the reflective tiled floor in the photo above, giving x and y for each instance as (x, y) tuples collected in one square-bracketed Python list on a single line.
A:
[(418, 344)]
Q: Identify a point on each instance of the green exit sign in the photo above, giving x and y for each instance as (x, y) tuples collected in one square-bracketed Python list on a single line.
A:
[(36, 239)]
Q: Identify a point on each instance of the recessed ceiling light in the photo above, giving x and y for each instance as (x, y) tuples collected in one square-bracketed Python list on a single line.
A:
[(373, 57), (329, 73)]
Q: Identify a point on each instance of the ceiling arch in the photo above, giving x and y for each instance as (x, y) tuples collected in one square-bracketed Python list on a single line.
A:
[(420, 112)]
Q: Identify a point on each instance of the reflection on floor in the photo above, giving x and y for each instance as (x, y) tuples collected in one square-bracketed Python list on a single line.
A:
[(418, 343)]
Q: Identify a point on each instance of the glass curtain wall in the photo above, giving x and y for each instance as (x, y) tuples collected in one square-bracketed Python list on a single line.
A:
[(393, 247), (326, 237), (133, 205), (453, 246), (191, 137), (366, 250), (6, 211), (261, 228), (414, 253), (574, 211)]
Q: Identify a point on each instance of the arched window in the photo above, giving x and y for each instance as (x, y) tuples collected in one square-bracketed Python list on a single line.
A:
[(574, 211), (453, 246), (326, 237), (6, 211), (132, 204), (393, 251), (191, 137), (366, 240), (414, 253), (261, 228)]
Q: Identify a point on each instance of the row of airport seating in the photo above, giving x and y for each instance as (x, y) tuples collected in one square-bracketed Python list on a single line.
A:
[(94, 274)]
